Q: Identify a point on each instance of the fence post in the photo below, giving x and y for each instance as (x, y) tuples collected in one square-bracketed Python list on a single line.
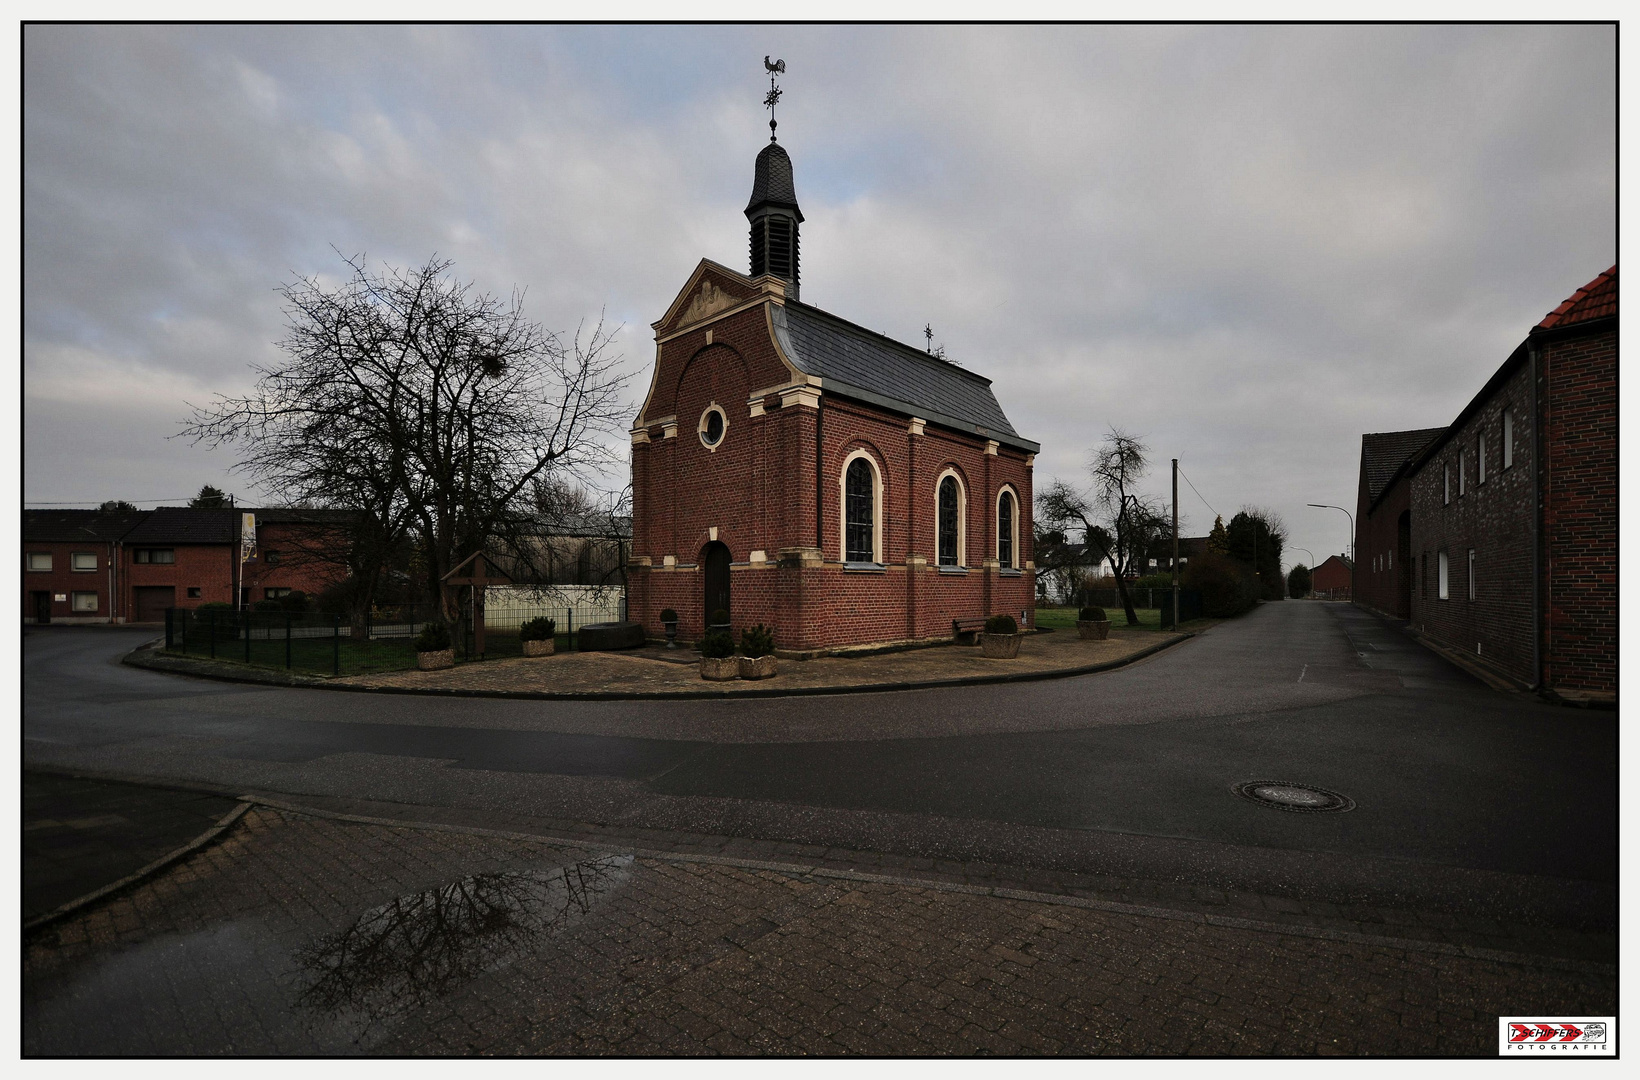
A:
[(170, 611), (247, 621), (213, 633), (336, 643), (569, 622), (287, 635)]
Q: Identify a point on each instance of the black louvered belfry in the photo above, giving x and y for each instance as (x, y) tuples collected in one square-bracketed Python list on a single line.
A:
[(775, 218)]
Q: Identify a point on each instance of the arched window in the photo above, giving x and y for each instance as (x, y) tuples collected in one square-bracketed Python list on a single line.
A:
[(1005, 529), (860, 513), (862, 508), (950, 516)]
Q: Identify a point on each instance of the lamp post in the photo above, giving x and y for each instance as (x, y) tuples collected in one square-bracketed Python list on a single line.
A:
[(1307, 552), (1346, 513)]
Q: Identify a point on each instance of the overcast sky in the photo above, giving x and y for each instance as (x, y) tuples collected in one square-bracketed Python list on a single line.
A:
[(1247, 244)]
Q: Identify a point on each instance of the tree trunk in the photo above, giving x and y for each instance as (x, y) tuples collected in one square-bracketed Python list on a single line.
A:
[(1127, 601)]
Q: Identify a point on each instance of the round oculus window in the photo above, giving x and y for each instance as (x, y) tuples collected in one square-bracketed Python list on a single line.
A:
[(711, 426)]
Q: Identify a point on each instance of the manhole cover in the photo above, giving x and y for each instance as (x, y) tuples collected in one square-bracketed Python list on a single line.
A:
[(1282, 795)]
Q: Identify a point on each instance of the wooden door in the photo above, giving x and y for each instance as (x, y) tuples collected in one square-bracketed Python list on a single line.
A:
[(715, 562)]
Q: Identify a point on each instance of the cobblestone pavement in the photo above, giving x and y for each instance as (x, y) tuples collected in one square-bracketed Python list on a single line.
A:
[(655, 671), (300, 934)]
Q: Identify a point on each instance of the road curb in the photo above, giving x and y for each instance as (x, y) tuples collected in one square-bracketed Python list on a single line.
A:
[(1442, 948), (174, 665), (203, 840)]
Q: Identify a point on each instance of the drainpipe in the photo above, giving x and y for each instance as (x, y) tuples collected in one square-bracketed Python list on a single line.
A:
[(1539, 468)]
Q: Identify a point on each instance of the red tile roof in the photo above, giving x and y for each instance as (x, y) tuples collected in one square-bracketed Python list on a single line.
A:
[(1596, 300)]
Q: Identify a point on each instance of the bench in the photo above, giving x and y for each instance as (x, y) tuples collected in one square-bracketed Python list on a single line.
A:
[(967, 631)]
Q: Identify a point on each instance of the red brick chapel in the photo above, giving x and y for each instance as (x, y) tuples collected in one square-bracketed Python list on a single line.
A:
[(800, 471)]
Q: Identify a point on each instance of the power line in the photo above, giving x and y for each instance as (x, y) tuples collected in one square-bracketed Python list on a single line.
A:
[(99, 502), (1199, 495)]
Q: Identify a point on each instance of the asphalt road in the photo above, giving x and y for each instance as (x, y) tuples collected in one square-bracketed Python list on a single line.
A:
[(1467, 799)]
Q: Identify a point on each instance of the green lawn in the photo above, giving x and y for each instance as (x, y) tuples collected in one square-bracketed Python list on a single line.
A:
[(1064, 618)]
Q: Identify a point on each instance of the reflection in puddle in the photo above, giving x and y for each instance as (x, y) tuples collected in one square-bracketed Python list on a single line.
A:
[(418, 947)]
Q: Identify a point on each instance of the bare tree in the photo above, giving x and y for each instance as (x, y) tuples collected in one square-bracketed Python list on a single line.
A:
[(426, 406), (1116, 521)]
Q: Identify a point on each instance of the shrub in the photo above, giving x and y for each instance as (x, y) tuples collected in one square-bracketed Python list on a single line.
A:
[(215, 605), (434, 637), (668, 615), (1227, 587), (720, 617), (1001, 624), (295, 600), (717, 645), (537, 629), (267, 605), (1092, 614), (1154, 581), (757, 641), (1299, 582)]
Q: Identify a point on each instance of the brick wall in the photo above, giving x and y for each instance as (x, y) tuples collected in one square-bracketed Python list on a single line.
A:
[(1578, 390), (63, 580), (1383, 572), (1494, 519)]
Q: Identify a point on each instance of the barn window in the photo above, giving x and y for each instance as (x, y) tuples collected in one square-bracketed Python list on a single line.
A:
[(1508, 438), (1461, 471), (1480, 458), (861, 494), (1005, 529), (1440, 575), (950, 507)]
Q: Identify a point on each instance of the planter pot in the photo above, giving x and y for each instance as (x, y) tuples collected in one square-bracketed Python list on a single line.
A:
[(436, 661), (719, 669), (671, 634), (999, 646), (758, 667), (1093, 631), (543, 647)]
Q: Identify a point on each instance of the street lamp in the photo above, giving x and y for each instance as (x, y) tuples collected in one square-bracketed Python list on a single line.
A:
[(1307, 552), (1346, 513)]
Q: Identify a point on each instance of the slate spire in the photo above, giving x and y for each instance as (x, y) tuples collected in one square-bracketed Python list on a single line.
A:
[(773, 208)]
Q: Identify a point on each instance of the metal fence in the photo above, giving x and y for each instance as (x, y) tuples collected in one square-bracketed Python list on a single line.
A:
[(329, 644), (1111, 598)]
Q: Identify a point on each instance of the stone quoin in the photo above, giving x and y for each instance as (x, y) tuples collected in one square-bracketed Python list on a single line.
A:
[(803, 472)]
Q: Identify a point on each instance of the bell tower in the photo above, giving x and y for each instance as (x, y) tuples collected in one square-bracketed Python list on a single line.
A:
[(773, 211)]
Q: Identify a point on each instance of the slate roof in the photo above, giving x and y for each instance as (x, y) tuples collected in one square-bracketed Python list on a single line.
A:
[(1382, 453), (1596, 300), (855, 362), (772, 183), (68, 526), (186, 525)]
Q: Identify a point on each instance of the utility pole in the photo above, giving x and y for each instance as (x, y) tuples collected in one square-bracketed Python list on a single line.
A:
[(1175, 544)]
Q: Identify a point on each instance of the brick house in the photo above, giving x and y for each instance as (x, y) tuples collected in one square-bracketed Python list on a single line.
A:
[(801, 471), (1383, 516), (72, 570), (1334, 579), (1513, 510), (148, 560)]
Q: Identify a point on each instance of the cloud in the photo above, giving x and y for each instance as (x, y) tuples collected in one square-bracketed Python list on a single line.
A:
[(1248, 243)]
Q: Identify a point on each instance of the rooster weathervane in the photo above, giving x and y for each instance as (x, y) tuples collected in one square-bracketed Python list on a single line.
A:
[(775, 67)]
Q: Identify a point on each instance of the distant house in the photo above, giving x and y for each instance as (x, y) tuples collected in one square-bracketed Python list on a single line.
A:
[(1383, 518), (1507, 546), (91, 566), (1333, 579)]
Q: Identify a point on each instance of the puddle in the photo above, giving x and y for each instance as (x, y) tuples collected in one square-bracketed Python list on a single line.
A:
[(419, 947), (238, 988)]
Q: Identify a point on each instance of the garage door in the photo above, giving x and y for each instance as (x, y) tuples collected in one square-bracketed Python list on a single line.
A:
[(152, 600)]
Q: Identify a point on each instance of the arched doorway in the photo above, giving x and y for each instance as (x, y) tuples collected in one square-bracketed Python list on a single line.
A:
[(715, 562)]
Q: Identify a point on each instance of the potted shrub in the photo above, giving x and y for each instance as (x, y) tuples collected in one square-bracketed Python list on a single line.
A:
[(717, 656), (433, 651), (1092, 624), (1000, 640), (757, 660), (536, 636), (718, 621), (669, 620)]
